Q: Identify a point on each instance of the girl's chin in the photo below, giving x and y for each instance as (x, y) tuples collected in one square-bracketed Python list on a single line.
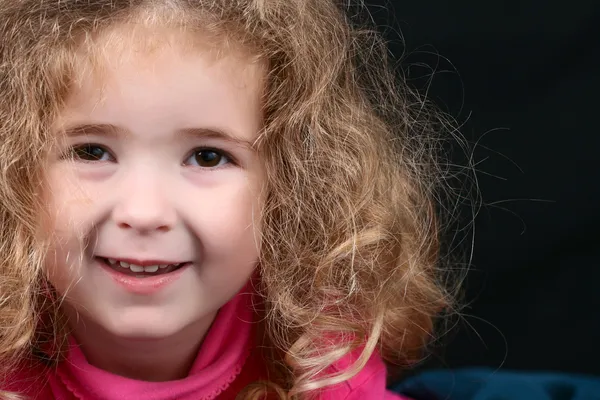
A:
[(148, 330), (133, 325)]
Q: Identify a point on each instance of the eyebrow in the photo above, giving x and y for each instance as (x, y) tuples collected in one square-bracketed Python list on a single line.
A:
[(117, 131)]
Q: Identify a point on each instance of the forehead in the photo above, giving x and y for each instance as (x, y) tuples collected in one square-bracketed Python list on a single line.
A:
[(162, 69), (139, 45)]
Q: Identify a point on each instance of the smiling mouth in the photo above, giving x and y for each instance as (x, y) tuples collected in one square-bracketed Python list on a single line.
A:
[(139, 271)]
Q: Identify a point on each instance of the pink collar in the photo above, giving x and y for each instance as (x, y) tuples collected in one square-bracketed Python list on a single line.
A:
[(220, 360)]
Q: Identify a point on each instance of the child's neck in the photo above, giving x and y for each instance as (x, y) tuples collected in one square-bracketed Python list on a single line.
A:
[(159, 360)]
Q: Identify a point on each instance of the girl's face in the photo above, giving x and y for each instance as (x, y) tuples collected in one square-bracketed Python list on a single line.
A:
[(157, 190)]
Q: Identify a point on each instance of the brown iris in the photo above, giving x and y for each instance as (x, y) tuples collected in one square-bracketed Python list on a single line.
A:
[(208, 158), (88, 152)]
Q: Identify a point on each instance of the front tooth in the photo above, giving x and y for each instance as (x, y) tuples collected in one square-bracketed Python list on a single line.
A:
[(136, 268), (151, 268), (124, 264)]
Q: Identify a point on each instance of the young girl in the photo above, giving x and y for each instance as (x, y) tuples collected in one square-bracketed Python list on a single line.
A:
[(207, 199)]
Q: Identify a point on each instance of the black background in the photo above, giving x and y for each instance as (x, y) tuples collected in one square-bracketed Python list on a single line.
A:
[(524, 76)]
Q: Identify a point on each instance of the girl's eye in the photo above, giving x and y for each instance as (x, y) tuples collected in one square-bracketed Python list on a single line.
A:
[(208, 158), (90, 152)]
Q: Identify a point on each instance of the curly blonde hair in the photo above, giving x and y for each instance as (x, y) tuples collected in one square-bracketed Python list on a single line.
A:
[(350, 231)]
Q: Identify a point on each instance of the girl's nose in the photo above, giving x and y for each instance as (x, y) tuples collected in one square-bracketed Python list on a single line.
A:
[(143, 205)]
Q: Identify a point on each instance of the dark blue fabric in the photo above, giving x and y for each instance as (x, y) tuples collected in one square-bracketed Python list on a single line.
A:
[(487, 384)]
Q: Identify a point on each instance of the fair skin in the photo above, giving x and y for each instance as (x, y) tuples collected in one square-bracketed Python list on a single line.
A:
[(163, 169)]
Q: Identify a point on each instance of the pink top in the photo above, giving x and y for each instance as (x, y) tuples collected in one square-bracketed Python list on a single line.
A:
[(225, 365)]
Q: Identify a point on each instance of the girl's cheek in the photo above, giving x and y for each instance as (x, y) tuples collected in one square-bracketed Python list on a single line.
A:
[(58, 269)]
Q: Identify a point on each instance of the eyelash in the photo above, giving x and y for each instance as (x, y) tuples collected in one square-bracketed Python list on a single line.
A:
[(72, 153)]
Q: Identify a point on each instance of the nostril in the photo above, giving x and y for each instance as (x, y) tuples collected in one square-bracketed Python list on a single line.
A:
[(124, 225), (164, 228)]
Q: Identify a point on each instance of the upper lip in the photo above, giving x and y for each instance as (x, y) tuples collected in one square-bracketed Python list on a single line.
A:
[(145, 262)]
